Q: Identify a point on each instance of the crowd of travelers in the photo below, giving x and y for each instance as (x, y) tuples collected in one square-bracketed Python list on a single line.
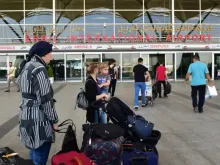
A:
[(38, 117)]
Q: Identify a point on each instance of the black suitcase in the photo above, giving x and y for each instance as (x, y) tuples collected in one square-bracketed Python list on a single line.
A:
[(6, 159)]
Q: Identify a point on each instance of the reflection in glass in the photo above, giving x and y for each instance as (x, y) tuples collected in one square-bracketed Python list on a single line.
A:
[(158, 5), (10, 30), (153, 62), (188, 17), (130, 16), (11, 5), (217, 66), (39, 17), (183, 60), (90, 58), (89, 4), (16, 60), (42, 4), (170, 65), (129, 60), (186, 5), (58, 67), (38, 32), (129, 4), (145, 58), (107, 57), (69, 17), (206, 57), (73, 67), (3, 68), (207, 5), (69, 5)]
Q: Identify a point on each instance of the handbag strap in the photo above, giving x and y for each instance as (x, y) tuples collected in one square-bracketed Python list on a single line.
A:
[(68, 122)]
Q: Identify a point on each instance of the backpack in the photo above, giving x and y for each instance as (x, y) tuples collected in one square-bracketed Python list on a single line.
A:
[(81, 100), (118, 111), (111, 72), (19, 70)]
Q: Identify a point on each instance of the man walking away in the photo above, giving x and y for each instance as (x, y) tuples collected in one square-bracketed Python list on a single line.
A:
[(139, 72), (161, 78), (199, 71), (113, 72), (11, 77)]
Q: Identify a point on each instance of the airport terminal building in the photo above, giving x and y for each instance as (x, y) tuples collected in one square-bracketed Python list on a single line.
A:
[(100, 30)]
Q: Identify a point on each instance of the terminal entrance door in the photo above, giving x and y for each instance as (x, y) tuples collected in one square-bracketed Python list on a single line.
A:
[(183, 60), (152, 60), (89, 58), (217, 66)]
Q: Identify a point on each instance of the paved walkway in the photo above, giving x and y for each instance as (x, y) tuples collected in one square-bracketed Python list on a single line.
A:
[(187, 138)]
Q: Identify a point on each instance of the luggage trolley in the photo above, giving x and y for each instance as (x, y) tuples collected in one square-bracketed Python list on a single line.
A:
[(149, 93)]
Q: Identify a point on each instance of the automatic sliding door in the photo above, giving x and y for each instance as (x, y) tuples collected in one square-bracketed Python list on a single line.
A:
[(73, 67), (154, 60), (129, 60), (90, 58), (3, 68), (170, 65), (58, 65), (108, 57), (217, 66), (183, 60)]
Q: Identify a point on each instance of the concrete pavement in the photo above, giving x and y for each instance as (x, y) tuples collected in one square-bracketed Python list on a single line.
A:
[(187, 138)]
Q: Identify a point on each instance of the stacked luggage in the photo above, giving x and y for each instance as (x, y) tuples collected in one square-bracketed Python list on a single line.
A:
[(140, 140), (129, 139)]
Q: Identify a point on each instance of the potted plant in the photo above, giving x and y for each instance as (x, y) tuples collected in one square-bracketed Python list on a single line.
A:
[(50, 74)]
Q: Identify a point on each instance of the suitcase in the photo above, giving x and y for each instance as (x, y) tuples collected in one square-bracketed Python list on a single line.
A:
[(136, 153), (10, 157), (71, 158), (139, 158)]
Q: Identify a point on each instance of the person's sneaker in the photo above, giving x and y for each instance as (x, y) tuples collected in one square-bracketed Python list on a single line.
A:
[(136, 108), (195, 109), (160, 96), (200, 110), (18, 90), (7, 91), (143, 105), (165, 96)]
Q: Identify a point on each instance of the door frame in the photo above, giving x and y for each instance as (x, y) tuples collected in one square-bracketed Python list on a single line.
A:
[(213, 64), (8, 60), (159, 52), (65, 59), (87, 54), (119, 63)]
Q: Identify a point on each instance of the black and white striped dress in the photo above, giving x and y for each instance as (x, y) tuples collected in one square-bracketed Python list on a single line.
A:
[(37, 110)]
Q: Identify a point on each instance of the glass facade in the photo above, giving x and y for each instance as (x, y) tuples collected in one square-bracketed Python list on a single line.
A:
[(105, 22), (89, 21)]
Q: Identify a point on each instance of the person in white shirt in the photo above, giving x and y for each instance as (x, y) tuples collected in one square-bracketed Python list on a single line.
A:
[(11, 77)]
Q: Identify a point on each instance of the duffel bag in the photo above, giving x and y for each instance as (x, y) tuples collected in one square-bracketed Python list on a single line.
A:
[(168, 88), (10, 157), (104, 152), (140, 127), (139, 158), (71, 158)]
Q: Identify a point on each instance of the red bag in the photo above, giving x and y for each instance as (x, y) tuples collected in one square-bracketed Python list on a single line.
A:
[(71, 158)]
